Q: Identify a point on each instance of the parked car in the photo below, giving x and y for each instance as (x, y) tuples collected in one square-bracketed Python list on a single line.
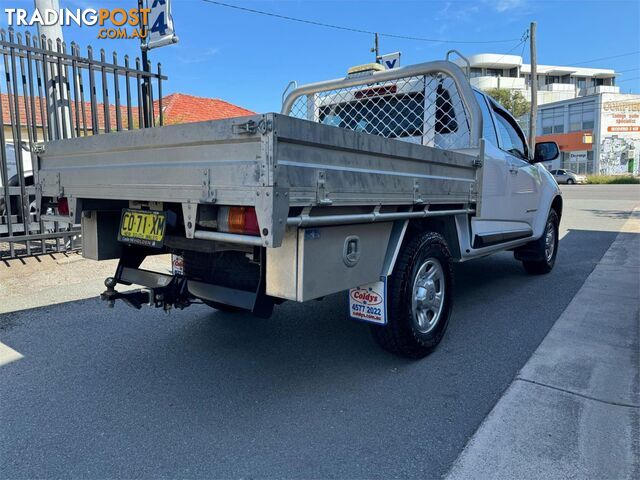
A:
[(568, 177), (12, 168)]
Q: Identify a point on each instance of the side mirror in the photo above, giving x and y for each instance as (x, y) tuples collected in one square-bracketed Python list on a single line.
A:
[(545, 152)]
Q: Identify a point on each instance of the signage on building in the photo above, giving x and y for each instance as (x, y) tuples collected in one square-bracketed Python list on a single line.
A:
[(160, 24), (619, 140), (578, 156), (623, 128)]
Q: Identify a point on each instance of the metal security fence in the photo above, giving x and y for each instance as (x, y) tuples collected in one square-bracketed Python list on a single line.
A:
[(425, 109), (49, 90)]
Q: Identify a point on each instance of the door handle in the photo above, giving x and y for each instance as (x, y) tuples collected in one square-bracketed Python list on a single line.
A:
[(513, 170)]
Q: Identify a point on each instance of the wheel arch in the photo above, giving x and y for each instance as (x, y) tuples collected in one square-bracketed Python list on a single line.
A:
[(404, 230), (556, 204)]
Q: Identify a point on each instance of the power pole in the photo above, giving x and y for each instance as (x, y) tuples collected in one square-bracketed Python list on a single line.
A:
[(146, 83), (58, 103), (376, 48), (52, 32), (534, 88)]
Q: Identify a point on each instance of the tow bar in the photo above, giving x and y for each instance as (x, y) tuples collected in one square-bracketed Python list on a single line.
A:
[(177, 291), (173, 294)]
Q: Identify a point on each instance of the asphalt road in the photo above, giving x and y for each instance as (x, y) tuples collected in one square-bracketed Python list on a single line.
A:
[(200, 393)]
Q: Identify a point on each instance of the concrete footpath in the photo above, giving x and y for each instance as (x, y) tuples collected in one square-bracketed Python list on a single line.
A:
[(573, 411), (57, 278)]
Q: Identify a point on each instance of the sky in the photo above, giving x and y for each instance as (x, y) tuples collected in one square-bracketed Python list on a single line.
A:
[(248, 59)]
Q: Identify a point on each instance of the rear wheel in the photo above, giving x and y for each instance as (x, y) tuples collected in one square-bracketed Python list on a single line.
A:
[(419, 299)]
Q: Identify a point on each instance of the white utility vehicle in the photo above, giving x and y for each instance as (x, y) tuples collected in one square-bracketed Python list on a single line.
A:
[(371, 184)]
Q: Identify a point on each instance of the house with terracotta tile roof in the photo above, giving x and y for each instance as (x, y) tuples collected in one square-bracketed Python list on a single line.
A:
[(183, 108), (176, 108)]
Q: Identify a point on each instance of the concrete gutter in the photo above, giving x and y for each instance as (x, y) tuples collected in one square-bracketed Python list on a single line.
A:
[(573, 411)]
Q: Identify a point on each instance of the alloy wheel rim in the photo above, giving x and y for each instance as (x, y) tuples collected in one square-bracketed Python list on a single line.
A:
[(549, 242), (427, 300)]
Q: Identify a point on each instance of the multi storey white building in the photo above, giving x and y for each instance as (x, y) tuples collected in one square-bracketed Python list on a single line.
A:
[(596, 127), (492, 70)]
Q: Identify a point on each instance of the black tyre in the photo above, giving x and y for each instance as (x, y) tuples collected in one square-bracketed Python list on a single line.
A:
[(570, 181), (419, 298), (545, 249), (228, 269)]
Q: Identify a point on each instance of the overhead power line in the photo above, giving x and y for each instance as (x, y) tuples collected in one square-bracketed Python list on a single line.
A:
[(523, 41), (605, 58), (628, 79), (352, 29), (628, 70), (524, 45)]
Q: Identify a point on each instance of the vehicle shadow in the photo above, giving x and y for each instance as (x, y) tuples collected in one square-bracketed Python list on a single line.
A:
[(317, 338)]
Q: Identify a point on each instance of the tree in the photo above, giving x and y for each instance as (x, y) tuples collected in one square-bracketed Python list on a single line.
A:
[(512, 100)]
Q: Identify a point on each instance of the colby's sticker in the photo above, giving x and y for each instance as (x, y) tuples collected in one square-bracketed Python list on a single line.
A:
[(367, 303)]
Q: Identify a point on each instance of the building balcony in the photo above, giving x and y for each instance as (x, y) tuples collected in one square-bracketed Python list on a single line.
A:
[(603, 89), (487, 82), (560, 87)]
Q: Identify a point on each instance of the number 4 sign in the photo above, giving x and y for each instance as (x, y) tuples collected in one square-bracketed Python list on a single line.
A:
[(161, 31)]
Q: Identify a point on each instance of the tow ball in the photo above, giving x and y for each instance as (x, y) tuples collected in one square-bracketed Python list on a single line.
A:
[(174, 294)]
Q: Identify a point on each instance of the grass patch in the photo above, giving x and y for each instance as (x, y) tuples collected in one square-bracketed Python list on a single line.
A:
[(612, 179)]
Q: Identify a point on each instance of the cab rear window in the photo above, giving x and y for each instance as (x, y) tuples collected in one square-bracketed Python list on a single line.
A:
[(391, 116)]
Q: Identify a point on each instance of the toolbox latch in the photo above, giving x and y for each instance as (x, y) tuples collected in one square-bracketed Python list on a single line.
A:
[(251, 127), (351, 251)]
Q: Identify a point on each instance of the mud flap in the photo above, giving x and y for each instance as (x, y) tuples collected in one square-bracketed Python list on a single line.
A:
[(367, 303)]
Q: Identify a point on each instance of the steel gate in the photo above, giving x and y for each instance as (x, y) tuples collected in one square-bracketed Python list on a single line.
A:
[(51, 91)]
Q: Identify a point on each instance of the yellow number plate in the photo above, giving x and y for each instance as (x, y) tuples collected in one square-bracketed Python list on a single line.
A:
[(142, 227)]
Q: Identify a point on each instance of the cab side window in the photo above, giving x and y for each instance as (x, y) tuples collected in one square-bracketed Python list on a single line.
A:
[(488, 130), (510, 139)]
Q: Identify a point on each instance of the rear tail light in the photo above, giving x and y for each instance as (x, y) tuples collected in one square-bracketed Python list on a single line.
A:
[(63, 206), (238, 220)]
